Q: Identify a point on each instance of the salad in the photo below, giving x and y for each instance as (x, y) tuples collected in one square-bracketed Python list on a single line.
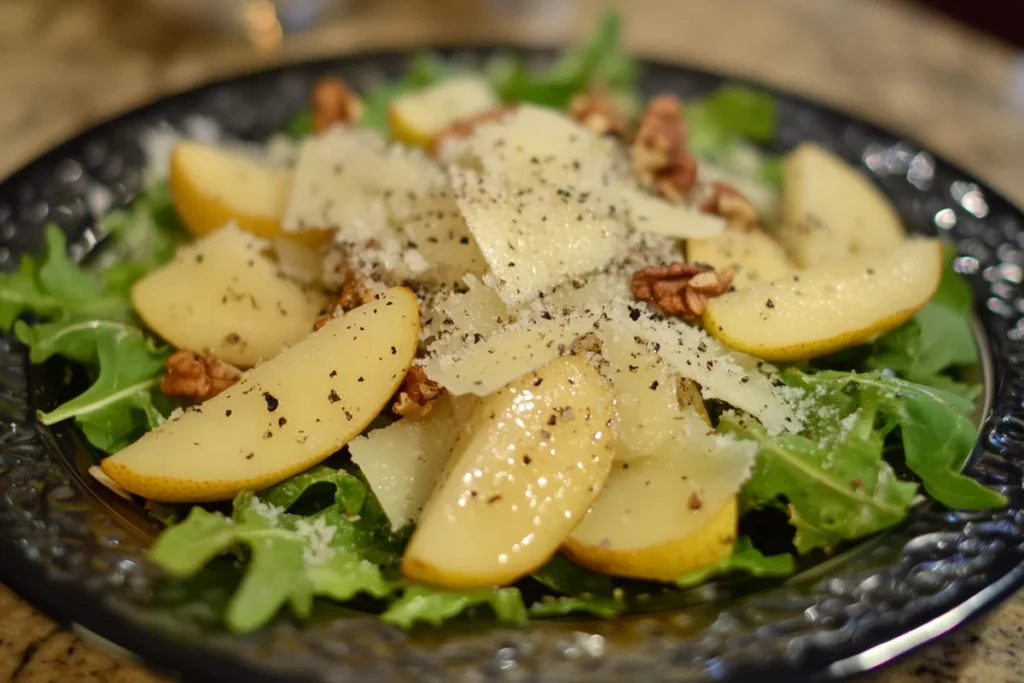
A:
[(506, 341)]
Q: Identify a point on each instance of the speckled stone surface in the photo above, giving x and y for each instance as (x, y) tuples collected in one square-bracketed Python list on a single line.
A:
[(65, 65)]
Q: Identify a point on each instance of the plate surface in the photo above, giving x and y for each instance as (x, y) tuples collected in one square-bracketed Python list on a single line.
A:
[(78, 552)]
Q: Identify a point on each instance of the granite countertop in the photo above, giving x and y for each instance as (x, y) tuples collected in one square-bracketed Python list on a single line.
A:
[(65, 65)]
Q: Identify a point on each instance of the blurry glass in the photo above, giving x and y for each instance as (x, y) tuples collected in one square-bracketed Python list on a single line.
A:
[(263, 22)]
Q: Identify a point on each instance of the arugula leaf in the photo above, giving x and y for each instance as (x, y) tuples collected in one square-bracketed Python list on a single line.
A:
[(555, 606), (746, 559), (123, 402), (291, 559), (434, 606), (54, 286), (350, 493), (937, 433), (599, 60), (833, 478), (924, 350), (562, 575), (141, 237), (300, 125)]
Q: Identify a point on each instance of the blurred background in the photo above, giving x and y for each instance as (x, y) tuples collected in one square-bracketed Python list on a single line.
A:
[(946, 71)]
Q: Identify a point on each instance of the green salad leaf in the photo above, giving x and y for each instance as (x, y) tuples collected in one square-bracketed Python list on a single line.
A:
[(745, 559), (832, 478), (582, 590), (92, 322), (139, 238), (600, 59), (562, 575), (936, 430), (423, 604), (124, 401), (935, 342), (561, 605), (291, 558), (55, 287)]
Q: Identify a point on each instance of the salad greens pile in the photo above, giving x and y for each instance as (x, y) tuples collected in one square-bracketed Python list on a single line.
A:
[(836, 481)]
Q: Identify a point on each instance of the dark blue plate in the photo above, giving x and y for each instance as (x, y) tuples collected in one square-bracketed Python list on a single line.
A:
[(77, 551)]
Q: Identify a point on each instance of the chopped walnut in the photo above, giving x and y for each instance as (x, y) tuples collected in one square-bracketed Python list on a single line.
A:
[(659, 155), (197, 378), (353, 295), (463, 128), (681, 289), (334, 102), (726, 201), (598, 112), (416, 397)]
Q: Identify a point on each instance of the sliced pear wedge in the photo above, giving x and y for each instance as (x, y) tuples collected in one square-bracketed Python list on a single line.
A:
[(525, 467), (223, 294), (755, 256), (824, 309), (831, 211), (417, 118), (669, 513), (284, 416), (212, 185)]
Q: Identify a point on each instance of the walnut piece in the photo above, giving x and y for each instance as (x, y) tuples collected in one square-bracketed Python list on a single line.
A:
[(597, 111), (353, 295), (726, 201), (463, 128), (659, 155), (334, 102), (196, 378), (681, 289), (417, 395)]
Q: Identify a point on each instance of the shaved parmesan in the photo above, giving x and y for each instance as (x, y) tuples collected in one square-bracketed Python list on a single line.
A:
[(465, 317), (648, 213), (535, 197), (402, 461), (736, 378), (484, 367), (350, 179), (434, 226)]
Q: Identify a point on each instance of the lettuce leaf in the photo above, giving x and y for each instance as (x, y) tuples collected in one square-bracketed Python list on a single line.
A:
[(745, 559), (423, 604)]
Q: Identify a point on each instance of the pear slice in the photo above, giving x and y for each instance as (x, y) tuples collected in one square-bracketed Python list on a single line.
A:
[(284, 416), (755, 255), (211, 186), (670, 513), (417, 118), (830, 307), (523, 471), (222, 294), (830, 211)]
